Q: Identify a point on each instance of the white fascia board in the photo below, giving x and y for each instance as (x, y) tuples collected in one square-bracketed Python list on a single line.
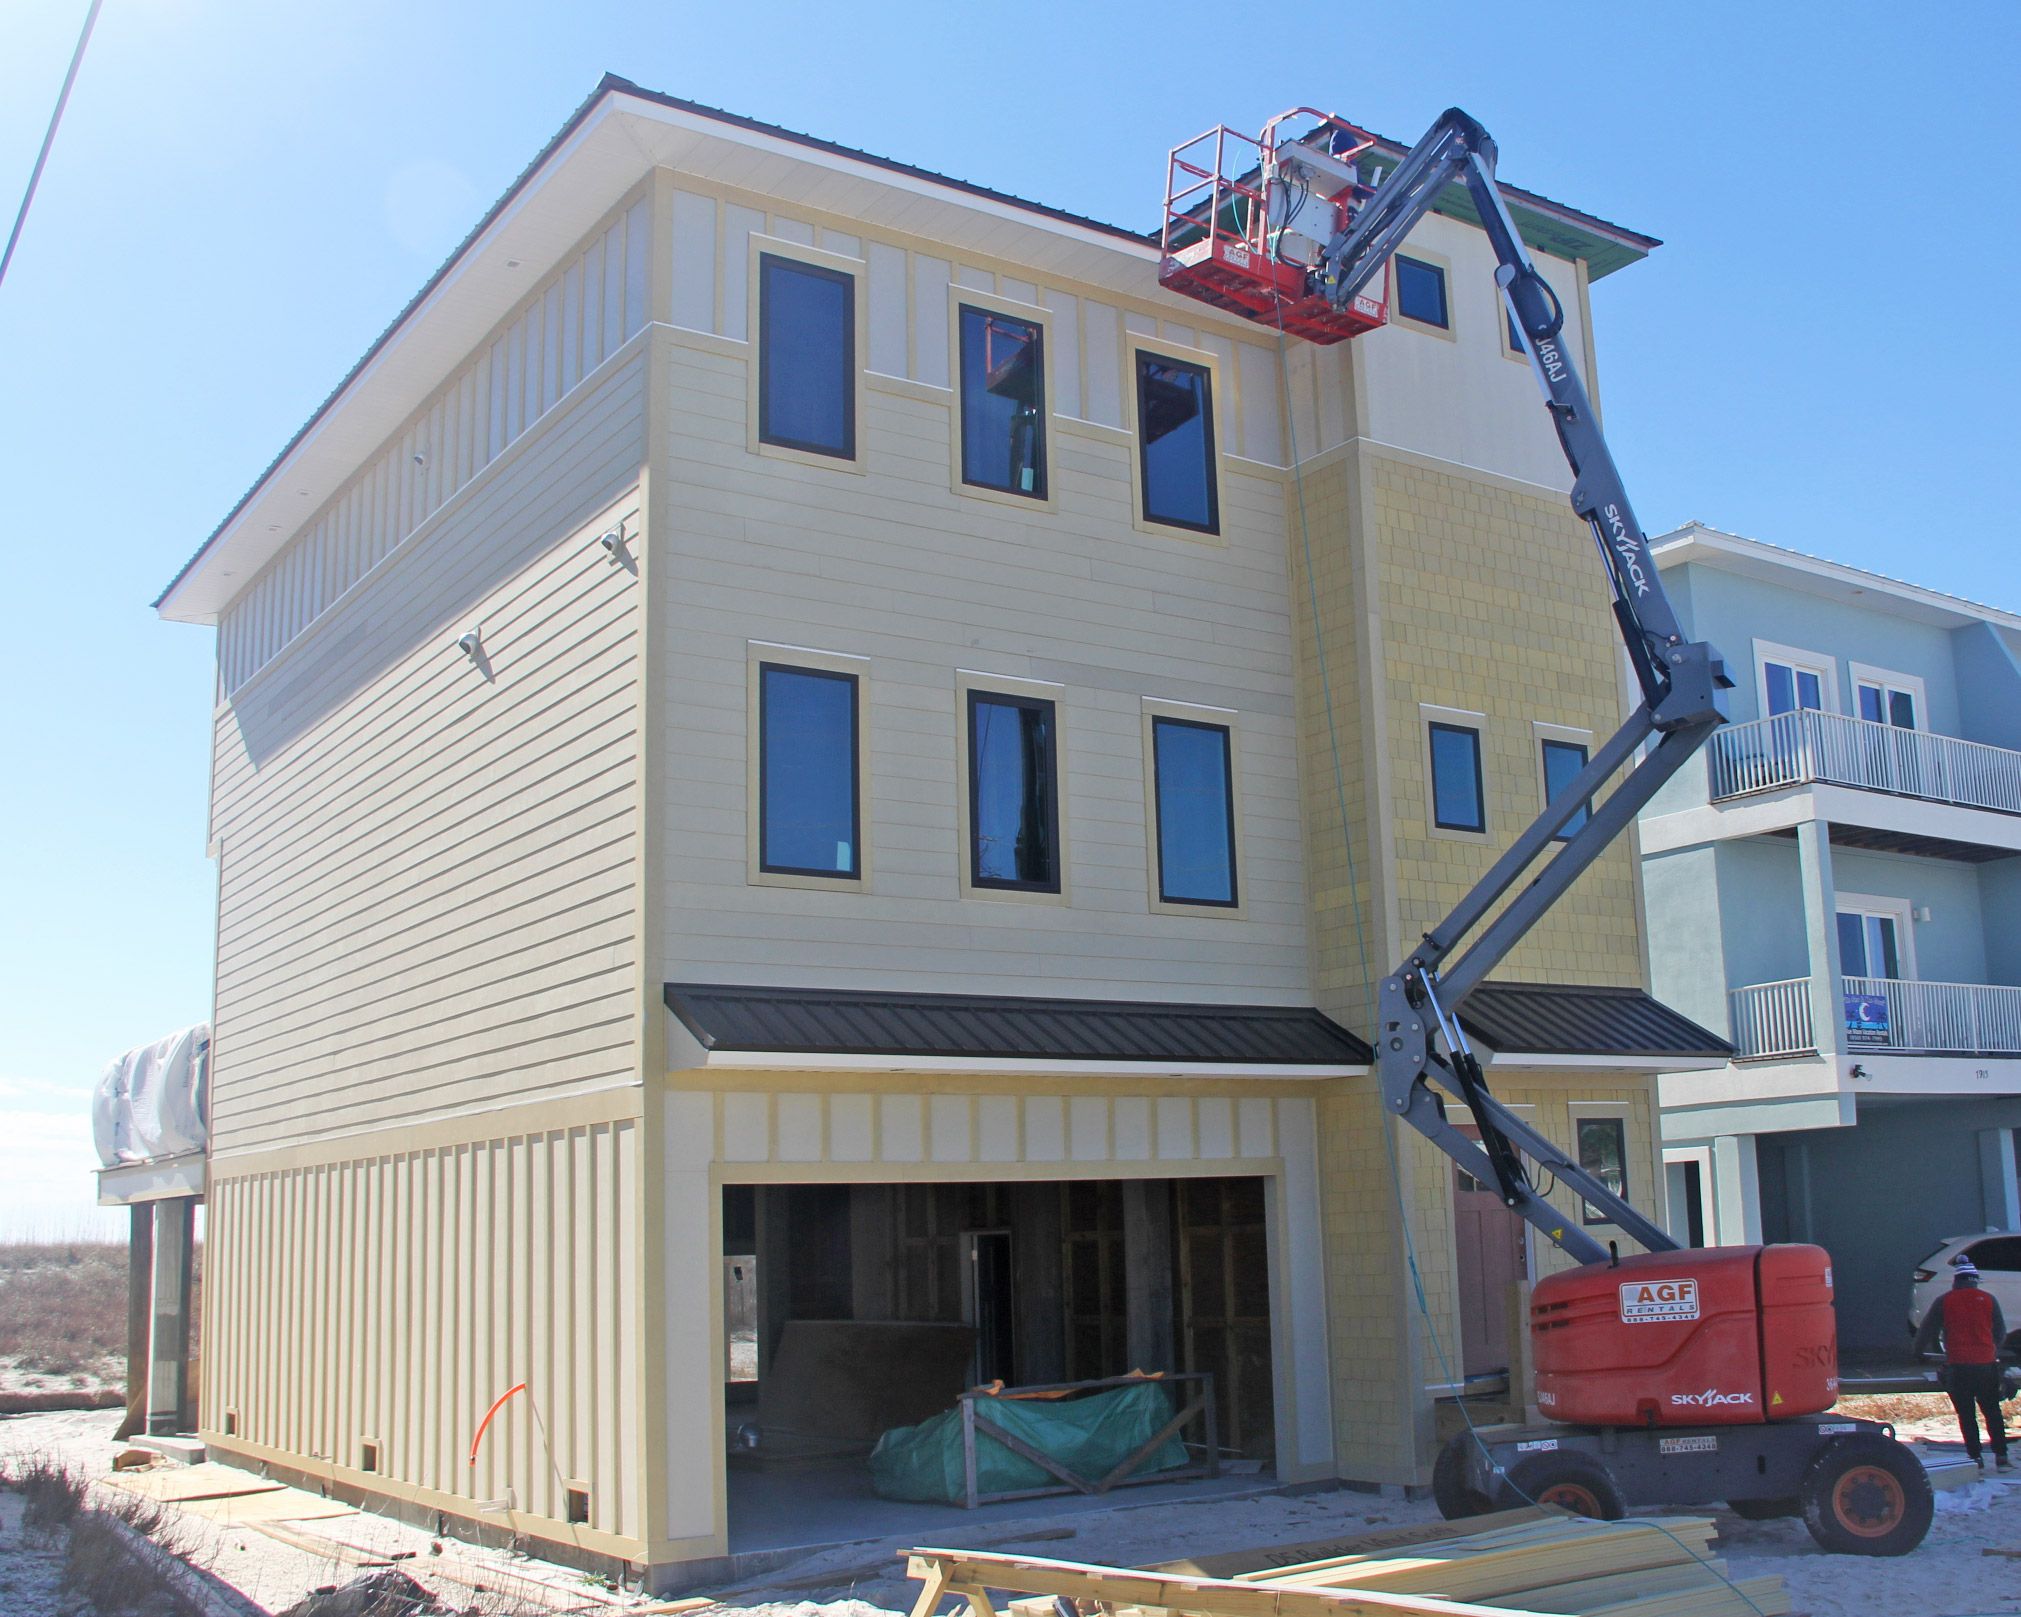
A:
[(802, 1061), (164, 1179), (1696, 542), (1901, 1073), (1528, 1061), (1766, 812)]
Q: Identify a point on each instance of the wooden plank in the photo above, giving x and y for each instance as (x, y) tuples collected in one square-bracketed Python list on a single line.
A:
[(1018, 1446), (1262, 1561), (1150, 1446)]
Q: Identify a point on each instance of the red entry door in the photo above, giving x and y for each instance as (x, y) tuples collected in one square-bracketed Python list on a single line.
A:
[(1490, 1250)]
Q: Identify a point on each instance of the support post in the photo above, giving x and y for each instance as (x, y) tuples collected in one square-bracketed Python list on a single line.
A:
[(1821, 934), (1999, 1194), (168, 1357), (1147, 1272), (139, 1295)]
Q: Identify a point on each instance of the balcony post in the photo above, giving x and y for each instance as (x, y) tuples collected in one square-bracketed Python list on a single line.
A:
[(1821, 934)]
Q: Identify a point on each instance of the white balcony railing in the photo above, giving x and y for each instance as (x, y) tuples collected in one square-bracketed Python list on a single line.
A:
[(1774, 1019), (1792, 749)]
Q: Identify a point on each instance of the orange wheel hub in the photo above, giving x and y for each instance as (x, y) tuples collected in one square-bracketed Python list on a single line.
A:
[(1868, 1501)]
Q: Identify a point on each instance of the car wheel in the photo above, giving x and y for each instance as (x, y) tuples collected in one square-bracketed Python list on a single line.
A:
[(1867, 1495), (1568, 1479), (1451, 1492)]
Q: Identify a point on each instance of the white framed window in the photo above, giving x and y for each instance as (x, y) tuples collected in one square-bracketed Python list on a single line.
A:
[(1421, 292), (1011, 788), (1176, 483), (1456, 777), (807, 769), (1193, 808), (1877, 936), (1562, 751), (1788, 678), (1003, 428), (809, 315), (1886, 697)]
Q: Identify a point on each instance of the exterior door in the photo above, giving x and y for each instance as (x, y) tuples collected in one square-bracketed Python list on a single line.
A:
[(1895, 762), (1491, 1257)]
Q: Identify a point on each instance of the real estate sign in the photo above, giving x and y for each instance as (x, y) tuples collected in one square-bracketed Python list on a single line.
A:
[(1866, 1019)]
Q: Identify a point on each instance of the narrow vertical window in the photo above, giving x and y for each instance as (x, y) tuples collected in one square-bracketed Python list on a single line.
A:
[(1013, 792), (1603, 1152), (1421, 292), (1458, 801), (1003, 402), (807, 772), (1175, 443), (806, 357), (1562, 762), (1195, 785)]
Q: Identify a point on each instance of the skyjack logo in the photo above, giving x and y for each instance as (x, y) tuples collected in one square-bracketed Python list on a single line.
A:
[(1709, 1399), (1648, 1301), (1627, 547)]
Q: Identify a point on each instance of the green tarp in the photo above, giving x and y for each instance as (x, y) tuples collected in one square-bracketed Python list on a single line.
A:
[(1089, 1436)]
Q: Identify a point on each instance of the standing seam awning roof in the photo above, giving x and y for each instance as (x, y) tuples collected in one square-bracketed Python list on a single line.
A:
[(854, 1022), (1581, 1019)]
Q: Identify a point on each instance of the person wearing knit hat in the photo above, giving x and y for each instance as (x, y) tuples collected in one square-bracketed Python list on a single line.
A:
[(1968, 1322)]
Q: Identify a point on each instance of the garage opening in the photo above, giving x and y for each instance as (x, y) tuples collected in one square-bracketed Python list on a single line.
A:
[(853, 1309)]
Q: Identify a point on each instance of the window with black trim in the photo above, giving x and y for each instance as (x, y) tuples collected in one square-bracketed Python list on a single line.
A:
[(1562, 762), (1421, 292), (1193, 778), (1175, 443), (1603, 1152), (806, 357), (1003, 402), (1459, 802), (808, 773), (1013, 792)]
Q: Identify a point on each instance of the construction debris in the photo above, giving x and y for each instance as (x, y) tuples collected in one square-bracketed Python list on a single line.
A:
[(1531, 1561)]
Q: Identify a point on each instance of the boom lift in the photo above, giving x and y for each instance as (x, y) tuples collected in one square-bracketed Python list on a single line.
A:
[(1672, 1376)]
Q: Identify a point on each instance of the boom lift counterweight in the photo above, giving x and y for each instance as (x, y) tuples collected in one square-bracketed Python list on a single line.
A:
[(1624, 1347)]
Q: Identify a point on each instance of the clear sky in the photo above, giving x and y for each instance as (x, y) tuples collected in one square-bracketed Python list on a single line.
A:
[(243, 195)]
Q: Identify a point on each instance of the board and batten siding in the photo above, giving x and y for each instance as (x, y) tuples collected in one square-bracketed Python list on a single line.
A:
[(428, 866), (585, 311), (389, 1298), (926, 584)]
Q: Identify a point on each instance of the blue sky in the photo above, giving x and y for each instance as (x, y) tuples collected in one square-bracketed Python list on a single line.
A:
[(242, 196)]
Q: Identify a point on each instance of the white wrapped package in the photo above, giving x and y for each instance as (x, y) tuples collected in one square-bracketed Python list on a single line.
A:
[(151, 1102)]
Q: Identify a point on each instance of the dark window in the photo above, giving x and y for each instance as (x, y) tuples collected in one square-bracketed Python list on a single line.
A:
[(1175, 443), (1515, 335), (806, 357), (1457, 799), (1421, 291), (1562, 762), (807, 771), (1013, 793), (2002, 1256), (1003, 403), (1603, 1152), (1196, 812)]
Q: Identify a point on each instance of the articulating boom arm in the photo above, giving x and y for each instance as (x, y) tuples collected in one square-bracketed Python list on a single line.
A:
[(1682, 704)]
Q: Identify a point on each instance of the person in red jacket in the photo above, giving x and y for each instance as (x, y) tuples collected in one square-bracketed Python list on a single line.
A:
[(1968, 1321)]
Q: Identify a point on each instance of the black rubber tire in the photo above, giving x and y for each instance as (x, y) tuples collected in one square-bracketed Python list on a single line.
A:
[(1764, 1510), (1867, 1495), (1568, 1479), (1456, 1501)]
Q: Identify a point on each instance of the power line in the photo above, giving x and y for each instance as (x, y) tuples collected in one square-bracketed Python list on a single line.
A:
[(49, 139)]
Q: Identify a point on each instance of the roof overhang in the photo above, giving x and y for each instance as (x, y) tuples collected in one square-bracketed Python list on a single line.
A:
[(1834, 581), (1575, 1025), (161, 1179), (607, 147)]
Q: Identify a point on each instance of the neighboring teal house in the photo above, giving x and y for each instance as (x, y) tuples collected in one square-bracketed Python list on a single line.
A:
[(1839, 887)]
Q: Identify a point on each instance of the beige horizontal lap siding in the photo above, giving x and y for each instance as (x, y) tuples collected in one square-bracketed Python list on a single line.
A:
[(427, 876), (565, 328), (391, 1297), (897, 567)]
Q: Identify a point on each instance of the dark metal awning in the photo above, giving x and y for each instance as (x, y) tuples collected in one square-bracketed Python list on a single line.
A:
[(727, 1019), (1583, 1019)]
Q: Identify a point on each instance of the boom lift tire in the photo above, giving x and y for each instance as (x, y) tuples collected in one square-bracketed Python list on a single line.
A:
[(1450, 1492), (1867, 1495), (1568, 1479)]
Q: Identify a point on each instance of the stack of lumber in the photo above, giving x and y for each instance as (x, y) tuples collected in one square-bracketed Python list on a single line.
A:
[(1528, 1561)]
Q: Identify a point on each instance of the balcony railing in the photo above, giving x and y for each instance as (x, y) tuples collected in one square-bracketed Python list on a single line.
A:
[(1793, 749), (1774, 1019)]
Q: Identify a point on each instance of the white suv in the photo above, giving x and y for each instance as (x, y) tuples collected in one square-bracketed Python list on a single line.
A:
[(1997, 1256)]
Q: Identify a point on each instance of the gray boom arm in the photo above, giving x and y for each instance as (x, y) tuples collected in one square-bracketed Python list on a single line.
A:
[(1683, 703)]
